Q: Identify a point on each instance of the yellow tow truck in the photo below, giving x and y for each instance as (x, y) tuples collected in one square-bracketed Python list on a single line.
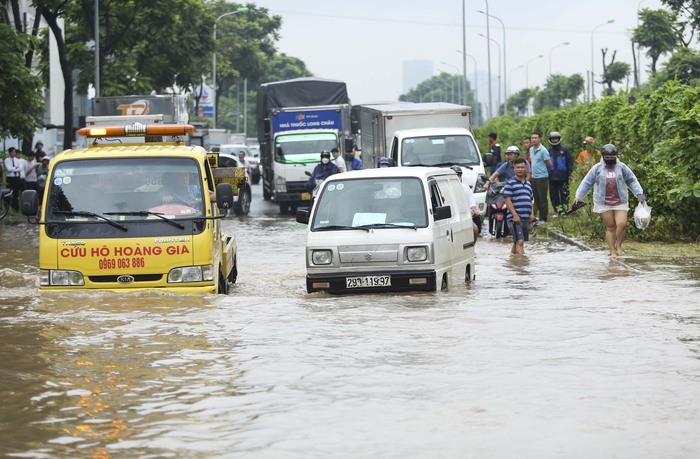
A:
[(139, 212)]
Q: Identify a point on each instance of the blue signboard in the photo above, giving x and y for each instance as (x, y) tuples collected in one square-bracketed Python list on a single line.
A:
[(316, 119)]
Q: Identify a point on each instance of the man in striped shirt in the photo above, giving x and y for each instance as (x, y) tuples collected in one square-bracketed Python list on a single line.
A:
[(519, 198)]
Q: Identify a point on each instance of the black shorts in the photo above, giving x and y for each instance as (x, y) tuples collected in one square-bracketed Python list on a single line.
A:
[(478, 221)]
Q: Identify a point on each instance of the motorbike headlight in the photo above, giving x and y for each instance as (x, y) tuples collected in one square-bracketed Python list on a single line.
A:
[(321, 257)]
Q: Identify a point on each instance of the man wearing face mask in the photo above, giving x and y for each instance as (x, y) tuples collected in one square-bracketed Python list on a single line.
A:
[(610, 179), (322, 171)]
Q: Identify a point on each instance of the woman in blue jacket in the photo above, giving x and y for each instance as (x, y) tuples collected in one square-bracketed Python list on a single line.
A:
[(610, 180)]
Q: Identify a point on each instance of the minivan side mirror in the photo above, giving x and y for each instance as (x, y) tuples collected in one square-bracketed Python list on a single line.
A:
[(303, 215), (442, 212)]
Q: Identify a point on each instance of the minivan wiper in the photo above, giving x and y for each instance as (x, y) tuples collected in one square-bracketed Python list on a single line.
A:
[(146, 213), (85, 213), (388, 225), (340, 227)]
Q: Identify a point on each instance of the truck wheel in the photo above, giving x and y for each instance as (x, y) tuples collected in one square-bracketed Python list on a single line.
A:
[(242, 207), (256, 178), (285, 208), (223, 283), (233, 275)]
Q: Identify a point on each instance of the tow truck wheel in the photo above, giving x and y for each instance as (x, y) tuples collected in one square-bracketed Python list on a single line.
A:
[(242, 207), (223, 283)]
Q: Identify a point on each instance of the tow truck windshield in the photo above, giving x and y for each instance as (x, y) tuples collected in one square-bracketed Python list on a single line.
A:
[(127, 188)]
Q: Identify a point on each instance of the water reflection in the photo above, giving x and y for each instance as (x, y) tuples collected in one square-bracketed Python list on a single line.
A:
[(601, 359)]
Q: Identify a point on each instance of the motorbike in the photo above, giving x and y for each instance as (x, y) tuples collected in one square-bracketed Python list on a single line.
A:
[(5, 199), (496, 210)]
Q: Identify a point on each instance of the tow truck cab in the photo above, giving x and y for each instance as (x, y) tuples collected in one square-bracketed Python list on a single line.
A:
[(125, 216)]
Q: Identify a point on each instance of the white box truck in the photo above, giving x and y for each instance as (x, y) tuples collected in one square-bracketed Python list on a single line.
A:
[(423, 134)]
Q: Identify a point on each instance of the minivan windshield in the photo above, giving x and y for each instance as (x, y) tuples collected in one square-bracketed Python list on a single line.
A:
[(303, 148), (386, 202), (439, 150), (125, 189)]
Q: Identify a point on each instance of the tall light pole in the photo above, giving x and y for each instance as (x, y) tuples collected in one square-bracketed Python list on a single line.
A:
[(592, 57), (527, 73), (499, 68), (461, 83), (505, 66), (97, 48), (476, 82), (488, 54), (464, 53), (213, 72), (566, 43)]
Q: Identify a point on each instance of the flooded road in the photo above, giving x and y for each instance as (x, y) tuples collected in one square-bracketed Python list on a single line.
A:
[(558, 354)]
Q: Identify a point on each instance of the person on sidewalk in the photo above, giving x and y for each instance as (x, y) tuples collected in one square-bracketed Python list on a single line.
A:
[(540, 175), (14, 175), (559, 173), (610, 179)]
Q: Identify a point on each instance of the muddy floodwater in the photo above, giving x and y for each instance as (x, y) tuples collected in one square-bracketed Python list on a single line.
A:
[(561, 353)]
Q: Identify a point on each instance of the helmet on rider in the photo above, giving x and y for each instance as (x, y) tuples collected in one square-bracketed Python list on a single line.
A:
[(513, 149), (554, 138), (457, 169), (589, 139), (384, 162), (609, 150), (325, 154)]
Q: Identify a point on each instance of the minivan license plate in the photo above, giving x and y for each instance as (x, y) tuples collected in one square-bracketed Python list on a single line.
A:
[(367, 281)]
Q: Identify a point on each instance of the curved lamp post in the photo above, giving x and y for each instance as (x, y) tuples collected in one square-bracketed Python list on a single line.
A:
[(566, 43), (505, 66), (527, 74), (213, 72)]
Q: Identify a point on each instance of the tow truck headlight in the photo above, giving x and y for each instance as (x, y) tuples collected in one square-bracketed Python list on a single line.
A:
[(191, 274), (419, 253), (61, 277), (321, 257), (280, 184)]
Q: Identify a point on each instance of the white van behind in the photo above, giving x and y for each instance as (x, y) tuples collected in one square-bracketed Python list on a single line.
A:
[(391, 229)]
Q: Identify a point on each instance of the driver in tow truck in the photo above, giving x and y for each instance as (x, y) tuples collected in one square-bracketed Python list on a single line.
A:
[(177, 189)]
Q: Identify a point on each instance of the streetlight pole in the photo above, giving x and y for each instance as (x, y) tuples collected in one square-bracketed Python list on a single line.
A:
[(566, 43), (97, 48), (511, 73), (488, 54), (464, 54), (213, 72), (499, 69), (505, 66), (460, 86), (592, 57), (476, 81), (527, 73)]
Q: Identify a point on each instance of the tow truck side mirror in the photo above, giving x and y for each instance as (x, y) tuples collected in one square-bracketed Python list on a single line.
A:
[(30, 203), (224, 196), (303, 215)]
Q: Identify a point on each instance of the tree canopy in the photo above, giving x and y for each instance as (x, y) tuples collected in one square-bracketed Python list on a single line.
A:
[(656, 33)]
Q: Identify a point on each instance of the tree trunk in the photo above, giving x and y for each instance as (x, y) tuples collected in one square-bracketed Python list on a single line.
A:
[(66, 70)]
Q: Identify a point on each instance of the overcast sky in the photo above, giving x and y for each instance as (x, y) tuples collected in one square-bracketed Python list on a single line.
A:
[(364, 42)]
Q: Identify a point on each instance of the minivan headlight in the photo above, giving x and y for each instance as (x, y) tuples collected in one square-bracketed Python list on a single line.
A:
[(321, 257), (419, 253)]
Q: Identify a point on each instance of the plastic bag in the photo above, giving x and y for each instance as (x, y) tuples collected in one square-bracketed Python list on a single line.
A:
[(642, 215)]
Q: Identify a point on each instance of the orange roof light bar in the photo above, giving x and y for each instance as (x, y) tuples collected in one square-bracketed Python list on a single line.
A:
[(136, 129)]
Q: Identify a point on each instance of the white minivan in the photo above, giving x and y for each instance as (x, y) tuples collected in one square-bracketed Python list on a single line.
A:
[(389, 229)]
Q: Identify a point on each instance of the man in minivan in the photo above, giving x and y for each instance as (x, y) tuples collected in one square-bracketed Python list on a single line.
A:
[(519, 200)]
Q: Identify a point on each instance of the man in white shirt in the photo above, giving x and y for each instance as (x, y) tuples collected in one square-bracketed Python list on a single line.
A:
[(338, 160), (471, 199), (14, 172), (30, 178)]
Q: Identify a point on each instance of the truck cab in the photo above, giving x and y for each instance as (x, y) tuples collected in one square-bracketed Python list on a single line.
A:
[(442, 147), (129, 216)]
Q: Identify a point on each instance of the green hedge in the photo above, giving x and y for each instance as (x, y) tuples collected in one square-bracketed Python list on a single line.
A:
[(658, 136)]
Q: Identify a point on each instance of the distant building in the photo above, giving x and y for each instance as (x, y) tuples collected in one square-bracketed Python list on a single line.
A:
[(414, 72)]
